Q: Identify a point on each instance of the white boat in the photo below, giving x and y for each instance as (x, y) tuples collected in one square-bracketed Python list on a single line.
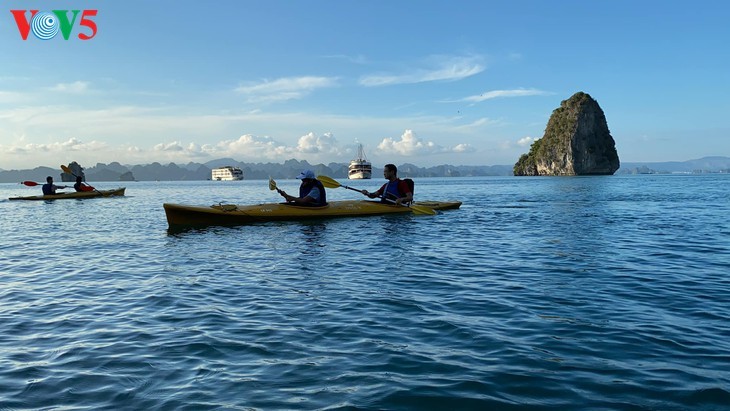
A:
[(227, 173), (360, 168)]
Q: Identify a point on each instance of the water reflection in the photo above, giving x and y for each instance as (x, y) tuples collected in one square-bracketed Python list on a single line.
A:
[(313, 238)]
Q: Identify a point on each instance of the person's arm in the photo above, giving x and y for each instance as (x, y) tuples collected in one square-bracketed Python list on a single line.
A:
[(297, 200), (308, 199), (376, 193), (407, 197), (305, 200), (286, 196), (312, 197)]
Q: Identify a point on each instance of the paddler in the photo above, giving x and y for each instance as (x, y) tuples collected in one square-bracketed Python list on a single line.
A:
[(49, 188), (311, 191)]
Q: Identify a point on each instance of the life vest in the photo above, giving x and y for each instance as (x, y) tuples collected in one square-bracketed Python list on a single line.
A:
[(410, 185), (396, 189), (304, 190), (83, 187), (47, 189)]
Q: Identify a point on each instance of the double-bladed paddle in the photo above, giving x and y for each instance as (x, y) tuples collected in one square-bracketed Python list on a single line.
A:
[(33, 184), (332, 183)]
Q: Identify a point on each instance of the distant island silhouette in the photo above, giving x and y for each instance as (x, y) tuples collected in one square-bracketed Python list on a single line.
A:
[(290, 168)]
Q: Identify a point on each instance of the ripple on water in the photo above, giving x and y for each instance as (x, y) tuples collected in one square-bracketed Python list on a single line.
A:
[(590, 293)]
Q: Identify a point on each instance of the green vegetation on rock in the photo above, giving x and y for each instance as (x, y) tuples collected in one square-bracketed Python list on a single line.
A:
[(576, 142)]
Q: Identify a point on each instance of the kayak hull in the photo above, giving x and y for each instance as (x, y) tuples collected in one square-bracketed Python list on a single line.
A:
[(75, 195), (179, 215), (439, 205)]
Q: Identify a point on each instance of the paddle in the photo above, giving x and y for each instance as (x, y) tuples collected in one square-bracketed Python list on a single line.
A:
[(33, 184), (272, 185), (332, 183), (68, 171)]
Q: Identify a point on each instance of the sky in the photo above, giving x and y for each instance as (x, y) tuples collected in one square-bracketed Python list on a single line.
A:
[(414, 81)]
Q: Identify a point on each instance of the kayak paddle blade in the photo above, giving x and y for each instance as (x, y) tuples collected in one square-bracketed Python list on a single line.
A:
[(422, 210), (328, 182)]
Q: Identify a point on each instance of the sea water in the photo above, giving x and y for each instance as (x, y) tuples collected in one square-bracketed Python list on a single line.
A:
[(571, 293)]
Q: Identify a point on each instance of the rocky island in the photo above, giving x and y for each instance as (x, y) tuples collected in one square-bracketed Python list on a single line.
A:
[(576, 142)]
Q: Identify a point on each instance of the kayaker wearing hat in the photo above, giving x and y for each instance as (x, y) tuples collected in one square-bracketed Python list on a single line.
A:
[(311, 191)]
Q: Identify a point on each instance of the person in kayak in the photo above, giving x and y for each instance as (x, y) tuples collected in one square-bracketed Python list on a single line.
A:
[(80, 186), (49, 188), (311, 191), (395, 190)]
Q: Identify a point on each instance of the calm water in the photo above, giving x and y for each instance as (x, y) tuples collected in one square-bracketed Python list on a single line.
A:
[(539, 293)]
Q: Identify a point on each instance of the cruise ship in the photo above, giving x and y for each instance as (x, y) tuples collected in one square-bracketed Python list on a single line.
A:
[(360, 168), (226, 173)]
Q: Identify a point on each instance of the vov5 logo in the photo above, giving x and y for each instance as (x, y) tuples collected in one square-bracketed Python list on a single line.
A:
[(46, 25)]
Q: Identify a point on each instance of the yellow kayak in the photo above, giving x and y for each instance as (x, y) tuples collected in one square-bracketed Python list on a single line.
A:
[(75, 194), (179, 215)]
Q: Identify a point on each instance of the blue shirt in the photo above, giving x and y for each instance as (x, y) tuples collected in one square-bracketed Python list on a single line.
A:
[(314, 193)]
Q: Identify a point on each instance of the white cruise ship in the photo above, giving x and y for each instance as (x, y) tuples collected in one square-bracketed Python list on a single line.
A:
[(360, 168), (226, 173)]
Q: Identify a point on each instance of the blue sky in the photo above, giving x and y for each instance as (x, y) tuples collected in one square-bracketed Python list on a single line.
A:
[(423, 82)]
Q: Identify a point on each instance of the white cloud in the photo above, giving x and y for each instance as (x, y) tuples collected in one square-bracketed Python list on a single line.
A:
[(76, 87), (12, 97), (356, 59), (50, 154), (326, 144), (45, 135), (445, 69), (72, 144), (257, 148), (286, 88), (250, 148), (488, 95), (481, 122), (525, 141), (175, 146), (410, 145), (463, 148), (311, 147), (171, 152)]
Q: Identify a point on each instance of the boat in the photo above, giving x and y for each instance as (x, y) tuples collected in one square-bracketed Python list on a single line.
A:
[(226, 173), (79, 195), (360, 168), (181, 216)]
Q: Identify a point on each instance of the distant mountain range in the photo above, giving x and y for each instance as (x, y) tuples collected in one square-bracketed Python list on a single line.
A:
[(251, 171), (716, 164), (290, 168)]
